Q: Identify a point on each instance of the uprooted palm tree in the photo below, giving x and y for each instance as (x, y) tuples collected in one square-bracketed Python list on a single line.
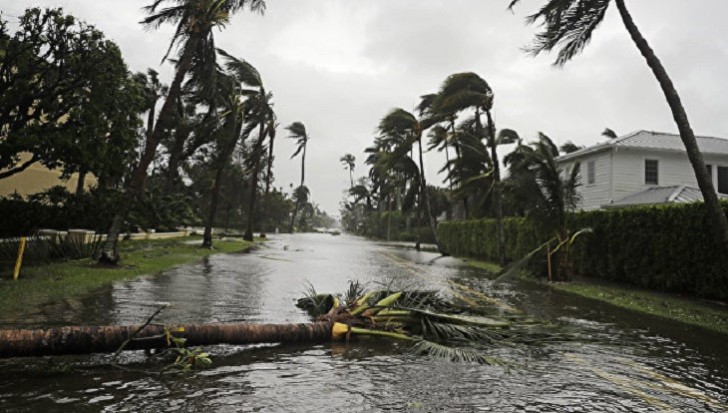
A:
[(431, 324), (568, 26), (193, 36)]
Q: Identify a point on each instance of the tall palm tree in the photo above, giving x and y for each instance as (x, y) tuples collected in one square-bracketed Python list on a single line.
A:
[(227, 137), (468, 91), (297, 131), (568, 26), (405, 128), (271, 134), (258, 109), (193, 37), (349, 162)]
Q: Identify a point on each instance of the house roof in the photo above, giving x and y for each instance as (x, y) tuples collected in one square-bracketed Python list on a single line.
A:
[(677, 194), (653, 141)]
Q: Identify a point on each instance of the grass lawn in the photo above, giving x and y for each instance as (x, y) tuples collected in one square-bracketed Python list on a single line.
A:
[(708, 315), (44, 283)]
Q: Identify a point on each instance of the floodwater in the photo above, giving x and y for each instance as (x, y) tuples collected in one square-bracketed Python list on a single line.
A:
[(630, 363)]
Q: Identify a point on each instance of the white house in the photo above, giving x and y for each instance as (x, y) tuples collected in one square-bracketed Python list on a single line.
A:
[(645, 168)]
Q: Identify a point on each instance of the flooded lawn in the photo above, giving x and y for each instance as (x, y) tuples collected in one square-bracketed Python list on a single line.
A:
[(628, 363)]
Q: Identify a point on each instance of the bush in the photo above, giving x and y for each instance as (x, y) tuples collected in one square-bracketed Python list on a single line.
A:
[(665, 248)]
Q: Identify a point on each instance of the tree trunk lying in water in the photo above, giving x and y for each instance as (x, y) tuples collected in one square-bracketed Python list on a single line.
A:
[(108, 339)]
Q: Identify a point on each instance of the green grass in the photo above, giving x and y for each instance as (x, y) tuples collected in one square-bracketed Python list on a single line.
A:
[(483, 265), (57, 281), (707, 315), (690, 311)]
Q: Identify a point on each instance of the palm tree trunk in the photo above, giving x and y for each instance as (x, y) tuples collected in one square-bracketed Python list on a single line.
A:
[(716, 214), (458, 155), (498, 202), (108, 339), (268, 180), (303, 176), (423, 191), (248, 236), (109, 255), (214, 199)]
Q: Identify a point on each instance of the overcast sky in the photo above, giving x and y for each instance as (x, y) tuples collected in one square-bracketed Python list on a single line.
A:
[(339, 65)]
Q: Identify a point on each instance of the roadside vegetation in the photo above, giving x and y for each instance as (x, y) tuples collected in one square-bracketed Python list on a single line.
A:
[(46, 283), (710, 315)]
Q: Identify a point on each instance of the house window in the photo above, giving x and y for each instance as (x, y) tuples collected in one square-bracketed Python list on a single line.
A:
[(591, 172), (723, 179), (652, 176)]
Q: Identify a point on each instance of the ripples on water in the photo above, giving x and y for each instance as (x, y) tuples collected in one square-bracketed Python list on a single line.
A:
[(629, 364)]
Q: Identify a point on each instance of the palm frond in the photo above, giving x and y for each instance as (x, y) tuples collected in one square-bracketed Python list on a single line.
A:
[(567, 25), (455, 354)]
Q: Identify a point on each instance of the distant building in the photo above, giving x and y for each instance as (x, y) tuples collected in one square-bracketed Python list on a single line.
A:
[(38, 178), (645, 168)]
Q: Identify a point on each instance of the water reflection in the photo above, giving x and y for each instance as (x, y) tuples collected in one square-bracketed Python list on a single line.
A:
[(630, 363)]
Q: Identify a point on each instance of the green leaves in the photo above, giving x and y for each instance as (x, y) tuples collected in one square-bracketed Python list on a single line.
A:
[(567, 25)]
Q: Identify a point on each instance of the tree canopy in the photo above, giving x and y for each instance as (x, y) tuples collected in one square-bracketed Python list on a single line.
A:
[(68, 98)]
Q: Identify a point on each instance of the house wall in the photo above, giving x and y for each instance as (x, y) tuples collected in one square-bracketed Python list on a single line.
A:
[(597, 194), (38, 178), (673, 169), (621, 172)]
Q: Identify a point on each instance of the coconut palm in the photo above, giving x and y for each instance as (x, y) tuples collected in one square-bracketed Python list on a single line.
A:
[(468, 91), (555, 198), (298, 132), (271, 134), (227, 137), (193, 37), (349, 162), (568, 26), (258, 108), (406, 129)]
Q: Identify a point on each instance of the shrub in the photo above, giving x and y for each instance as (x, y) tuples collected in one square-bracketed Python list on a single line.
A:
[(666, 248)]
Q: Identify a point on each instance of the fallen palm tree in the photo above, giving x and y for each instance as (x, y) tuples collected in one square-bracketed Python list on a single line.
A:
[(431, 324)]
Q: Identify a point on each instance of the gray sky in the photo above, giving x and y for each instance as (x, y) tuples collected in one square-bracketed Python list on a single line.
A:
[(339, 65)]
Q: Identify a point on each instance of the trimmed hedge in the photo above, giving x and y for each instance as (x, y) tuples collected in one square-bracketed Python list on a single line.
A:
[(665, 248)]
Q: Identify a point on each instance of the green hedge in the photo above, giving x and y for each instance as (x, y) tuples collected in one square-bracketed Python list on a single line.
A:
[(666, 248)]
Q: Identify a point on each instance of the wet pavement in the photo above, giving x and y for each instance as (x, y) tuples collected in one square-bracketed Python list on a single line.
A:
[(631, 363)]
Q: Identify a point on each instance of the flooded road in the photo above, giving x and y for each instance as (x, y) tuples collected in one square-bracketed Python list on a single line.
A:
[(630, 363)]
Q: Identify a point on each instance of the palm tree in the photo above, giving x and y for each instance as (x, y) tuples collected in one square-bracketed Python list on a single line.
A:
[(468, 91), (258, 110), (271, 134), (349, 161), (193, 36), (405, 128), (297, 131), (556, 197), (227, 137), (568, 26)]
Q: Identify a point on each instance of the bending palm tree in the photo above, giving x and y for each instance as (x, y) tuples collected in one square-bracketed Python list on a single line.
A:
[(195, 20), (271, 134), (464, 91), (298, 132), (404, 127), (227, 137), (568, 26), (258, 112), (349, 161)]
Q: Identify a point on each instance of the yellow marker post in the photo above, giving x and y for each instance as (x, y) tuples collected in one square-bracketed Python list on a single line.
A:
[(19, 261)]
